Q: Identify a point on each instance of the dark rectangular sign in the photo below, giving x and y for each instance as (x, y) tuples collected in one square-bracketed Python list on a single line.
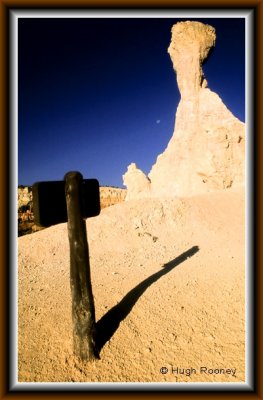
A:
[(49, 201)]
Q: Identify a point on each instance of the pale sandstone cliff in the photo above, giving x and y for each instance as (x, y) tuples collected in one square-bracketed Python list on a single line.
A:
[(206, 152), (110, 196)]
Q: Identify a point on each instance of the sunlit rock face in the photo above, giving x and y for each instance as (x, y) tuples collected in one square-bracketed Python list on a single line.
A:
[(137, 183), (189, 47), (206, 152)]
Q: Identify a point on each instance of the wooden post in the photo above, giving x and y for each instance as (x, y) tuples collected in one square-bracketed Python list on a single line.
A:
[(83, 310)]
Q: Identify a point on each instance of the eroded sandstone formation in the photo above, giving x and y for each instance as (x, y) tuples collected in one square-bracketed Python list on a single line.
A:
[(24, 196), (189, 47), (206, 152), (137, 182), (109, 196)]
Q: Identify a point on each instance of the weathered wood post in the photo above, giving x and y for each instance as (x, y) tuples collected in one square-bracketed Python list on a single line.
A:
[(83, 310)]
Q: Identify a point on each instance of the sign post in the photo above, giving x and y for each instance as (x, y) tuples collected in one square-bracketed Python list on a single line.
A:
[(75, 199), (83, 310)]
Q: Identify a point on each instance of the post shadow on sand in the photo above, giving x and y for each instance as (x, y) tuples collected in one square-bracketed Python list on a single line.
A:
[(109, 323)]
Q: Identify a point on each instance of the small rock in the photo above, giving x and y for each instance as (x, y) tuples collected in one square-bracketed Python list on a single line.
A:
[(147, 350)]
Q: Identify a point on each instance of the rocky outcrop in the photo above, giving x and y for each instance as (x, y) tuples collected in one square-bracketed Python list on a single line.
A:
[(24, 196), (206, 152), (190, 45), (137, 182), (111, 195)]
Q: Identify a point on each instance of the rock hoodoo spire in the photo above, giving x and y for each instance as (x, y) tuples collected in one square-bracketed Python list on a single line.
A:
[(206, 152), (190, 45)]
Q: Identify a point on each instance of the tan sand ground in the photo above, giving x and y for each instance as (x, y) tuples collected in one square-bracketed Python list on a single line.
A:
[(191, 314)]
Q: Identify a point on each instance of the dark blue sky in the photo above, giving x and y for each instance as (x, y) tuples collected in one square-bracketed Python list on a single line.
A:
[(95, 95)]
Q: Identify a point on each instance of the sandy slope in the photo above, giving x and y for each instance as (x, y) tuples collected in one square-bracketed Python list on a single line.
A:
[(168, 282)]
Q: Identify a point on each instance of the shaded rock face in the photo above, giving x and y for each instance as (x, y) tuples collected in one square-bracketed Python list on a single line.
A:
[(206, 152)]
